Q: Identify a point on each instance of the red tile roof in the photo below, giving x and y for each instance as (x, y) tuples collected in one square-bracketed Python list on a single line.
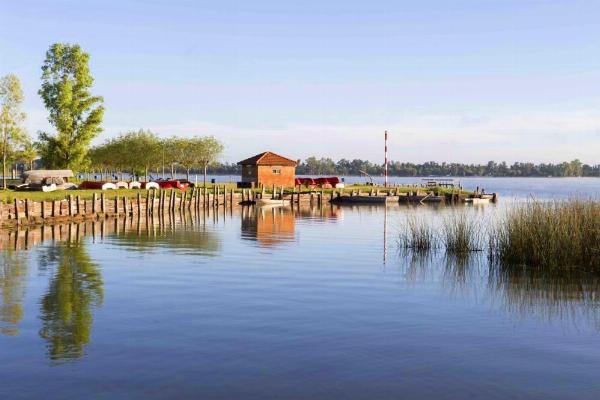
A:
[(268, 158)]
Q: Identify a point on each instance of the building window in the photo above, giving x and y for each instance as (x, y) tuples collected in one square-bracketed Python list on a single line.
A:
[(277, 171)]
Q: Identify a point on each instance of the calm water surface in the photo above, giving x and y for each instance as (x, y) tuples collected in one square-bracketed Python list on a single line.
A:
[(287, 304)]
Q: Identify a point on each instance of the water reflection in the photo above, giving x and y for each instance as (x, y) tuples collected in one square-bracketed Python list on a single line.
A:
[(549, 295), (66, 308), (268, 226), (13, 280), (75, 282), (571, 298)]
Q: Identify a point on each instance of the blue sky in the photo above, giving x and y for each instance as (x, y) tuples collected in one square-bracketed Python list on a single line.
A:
[(456, 80)]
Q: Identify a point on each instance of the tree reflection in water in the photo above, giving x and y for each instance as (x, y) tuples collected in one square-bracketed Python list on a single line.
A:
[(13, 280), (66, 309)]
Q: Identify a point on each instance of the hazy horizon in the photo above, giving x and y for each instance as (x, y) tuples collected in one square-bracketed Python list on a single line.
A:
[(467, 82)]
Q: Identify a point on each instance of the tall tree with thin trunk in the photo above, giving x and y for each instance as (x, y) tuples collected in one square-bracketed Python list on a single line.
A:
[(74, 112), (208, 149), (11, 117)]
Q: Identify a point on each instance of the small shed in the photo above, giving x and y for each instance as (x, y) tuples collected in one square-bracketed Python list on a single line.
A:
[(267, 169)]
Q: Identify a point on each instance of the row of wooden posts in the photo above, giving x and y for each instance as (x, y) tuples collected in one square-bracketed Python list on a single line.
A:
[(168, 200)]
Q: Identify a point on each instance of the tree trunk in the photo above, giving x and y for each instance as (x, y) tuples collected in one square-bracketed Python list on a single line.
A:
[(4, 170), (187, 173), (205, 167)]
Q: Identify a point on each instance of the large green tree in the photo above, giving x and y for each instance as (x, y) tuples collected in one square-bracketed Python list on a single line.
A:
[(11, 117), (74, 112)]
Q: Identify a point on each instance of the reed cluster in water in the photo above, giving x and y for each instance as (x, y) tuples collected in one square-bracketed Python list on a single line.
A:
[(419, 236), (459, 235), (560, 234), (549, 235)]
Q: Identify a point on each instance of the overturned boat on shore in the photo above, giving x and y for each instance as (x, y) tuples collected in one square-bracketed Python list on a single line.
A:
[(46, 180)]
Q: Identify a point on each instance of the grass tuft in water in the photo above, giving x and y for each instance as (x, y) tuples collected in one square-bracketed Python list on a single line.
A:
[(418, 236), (461, 234), (553, 235)]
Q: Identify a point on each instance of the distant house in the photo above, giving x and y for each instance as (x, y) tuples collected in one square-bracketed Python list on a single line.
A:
[(267, 169)]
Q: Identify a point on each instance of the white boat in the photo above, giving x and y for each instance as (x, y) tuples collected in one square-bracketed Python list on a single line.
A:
[(476, 201), (272, 202), (49, 188)]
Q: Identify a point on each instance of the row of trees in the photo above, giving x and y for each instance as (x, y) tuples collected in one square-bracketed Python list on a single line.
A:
[(327, 166), (139, 152), (76, 116)]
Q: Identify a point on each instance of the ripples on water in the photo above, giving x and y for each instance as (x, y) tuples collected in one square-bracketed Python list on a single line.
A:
[(284, 303)]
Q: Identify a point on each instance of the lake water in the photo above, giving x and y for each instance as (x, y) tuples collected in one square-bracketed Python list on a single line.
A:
[(289, 303)]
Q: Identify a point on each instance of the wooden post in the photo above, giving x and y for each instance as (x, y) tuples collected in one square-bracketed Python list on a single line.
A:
[(27, 212), (147, 202), (116, 205), (102, 202), (281, 193), (153, 201), (78, 204), (54, 208), (70, 213), (171, 201), (231, 198), (262, 193), (17, 210), (125, 206), (93, 204), (43, 210), (139, 204)]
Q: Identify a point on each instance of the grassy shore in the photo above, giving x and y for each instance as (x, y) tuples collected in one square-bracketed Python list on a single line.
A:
[(8, 196)]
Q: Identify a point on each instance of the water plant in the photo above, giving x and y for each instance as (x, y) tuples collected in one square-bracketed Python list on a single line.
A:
[(461, 234), (554, 235), (418, 235)]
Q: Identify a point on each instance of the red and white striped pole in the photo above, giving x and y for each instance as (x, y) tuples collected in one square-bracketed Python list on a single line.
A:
[(385, 172)]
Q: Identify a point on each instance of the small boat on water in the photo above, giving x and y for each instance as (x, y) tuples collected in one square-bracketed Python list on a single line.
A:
[(361, 200), (477, 201), (427, 198)]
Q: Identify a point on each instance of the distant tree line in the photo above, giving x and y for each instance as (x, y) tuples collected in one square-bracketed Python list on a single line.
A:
[(327, 166)]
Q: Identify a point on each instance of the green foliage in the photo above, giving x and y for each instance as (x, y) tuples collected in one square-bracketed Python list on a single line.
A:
[(141, 151), (11, 118), (74, 112)]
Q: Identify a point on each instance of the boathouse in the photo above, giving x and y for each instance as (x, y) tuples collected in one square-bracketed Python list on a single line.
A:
[(267, 169)]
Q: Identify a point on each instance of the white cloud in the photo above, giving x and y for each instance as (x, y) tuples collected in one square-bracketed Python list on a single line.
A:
[(534, 136)]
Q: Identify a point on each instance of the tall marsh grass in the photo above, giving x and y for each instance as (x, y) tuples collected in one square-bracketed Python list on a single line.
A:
[(554, 235), (459, 234), (462, 234), (418, 236)]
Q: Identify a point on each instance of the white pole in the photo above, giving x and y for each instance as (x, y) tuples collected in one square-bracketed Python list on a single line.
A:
[(385, 167)]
